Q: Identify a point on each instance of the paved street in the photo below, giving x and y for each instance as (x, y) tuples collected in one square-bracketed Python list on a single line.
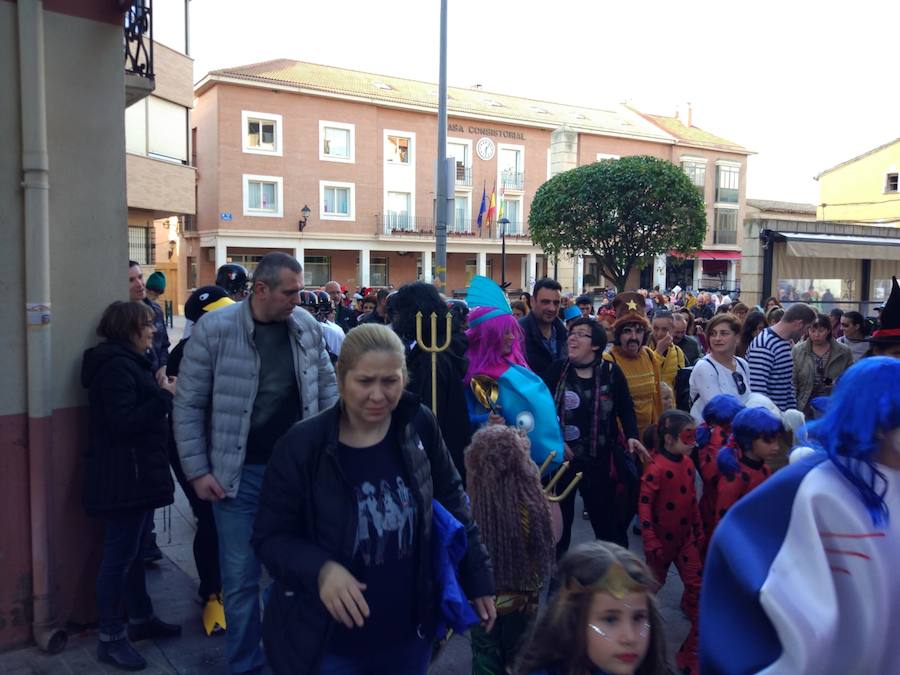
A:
[(173, 588)]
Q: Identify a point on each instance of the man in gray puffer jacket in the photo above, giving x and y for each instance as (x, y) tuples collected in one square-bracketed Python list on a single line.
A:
[(250, 371)]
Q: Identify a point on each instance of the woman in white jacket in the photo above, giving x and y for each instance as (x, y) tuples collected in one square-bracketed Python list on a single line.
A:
[(720, 371)]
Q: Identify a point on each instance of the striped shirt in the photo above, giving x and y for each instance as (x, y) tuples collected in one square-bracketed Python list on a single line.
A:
[(771, 368)]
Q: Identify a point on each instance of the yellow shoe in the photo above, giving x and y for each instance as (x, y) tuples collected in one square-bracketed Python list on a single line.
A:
[(214, 614)]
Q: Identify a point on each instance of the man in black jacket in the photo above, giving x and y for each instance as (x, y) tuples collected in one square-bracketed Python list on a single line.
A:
[(545, 333), (344, 317)]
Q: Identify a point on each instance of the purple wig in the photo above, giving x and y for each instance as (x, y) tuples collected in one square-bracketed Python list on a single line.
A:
[(486, 340)]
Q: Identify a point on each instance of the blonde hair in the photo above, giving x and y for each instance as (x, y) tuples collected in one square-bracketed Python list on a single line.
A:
[(666, 391), (369, 337)]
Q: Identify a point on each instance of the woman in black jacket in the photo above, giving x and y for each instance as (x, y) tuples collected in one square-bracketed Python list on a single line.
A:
[(126, 474), (599, 426), (345, 525)]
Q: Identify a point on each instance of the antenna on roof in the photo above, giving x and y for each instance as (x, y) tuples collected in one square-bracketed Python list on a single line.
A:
[(476, 86)]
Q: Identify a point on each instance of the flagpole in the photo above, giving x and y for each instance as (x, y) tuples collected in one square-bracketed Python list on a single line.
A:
[(441, 205)]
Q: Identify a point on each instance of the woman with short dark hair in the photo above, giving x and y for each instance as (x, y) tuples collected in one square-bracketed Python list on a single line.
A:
[(126, 474), (720, 371)]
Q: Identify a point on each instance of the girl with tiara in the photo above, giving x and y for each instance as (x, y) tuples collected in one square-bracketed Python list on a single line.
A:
[(603, 619), (670, 519), (802, 574), (513, 516), (742, 462)]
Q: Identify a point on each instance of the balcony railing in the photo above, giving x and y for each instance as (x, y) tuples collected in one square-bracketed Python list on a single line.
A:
[(463, 175), (399, 225), (139, 74), (511, 180)]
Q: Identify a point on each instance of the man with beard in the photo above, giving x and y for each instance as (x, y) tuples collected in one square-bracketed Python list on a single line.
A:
[(640, 364)]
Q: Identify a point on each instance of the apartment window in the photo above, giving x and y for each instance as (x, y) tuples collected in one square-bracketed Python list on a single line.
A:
[(261, 132), (461, 222), (336, 142), (509, 162), (460, 154), (337, 200), (192, 272), (378, 271), (247, 260), (141, 244), (397, 149), (157, 128), (397, 211), (891, 183), (316, 270), (728, 183), (263, 196), (725, 231), (512, 210), (696, 171), (605, 155)]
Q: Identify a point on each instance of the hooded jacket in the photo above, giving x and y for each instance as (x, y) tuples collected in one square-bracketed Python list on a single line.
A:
[(308, 516), (126, 461)]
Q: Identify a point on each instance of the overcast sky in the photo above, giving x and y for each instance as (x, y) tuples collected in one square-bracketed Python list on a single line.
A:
[(806, 85)]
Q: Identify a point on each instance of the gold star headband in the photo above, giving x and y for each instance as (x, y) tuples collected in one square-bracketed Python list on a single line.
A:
[(617, 582)]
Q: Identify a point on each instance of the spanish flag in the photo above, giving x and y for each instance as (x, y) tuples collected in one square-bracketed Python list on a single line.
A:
[(492, 207)]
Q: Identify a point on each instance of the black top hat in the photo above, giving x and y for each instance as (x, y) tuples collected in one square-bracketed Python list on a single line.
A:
[(889, 329)]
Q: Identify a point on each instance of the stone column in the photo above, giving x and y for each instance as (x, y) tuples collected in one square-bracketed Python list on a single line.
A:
[(482, 263), (426, 266), (659, 271), (364, 254), (578, 286), (531, 271), (221, 252)]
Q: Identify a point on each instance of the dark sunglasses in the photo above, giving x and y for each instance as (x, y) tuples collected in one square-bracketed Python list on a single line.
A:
[(739, 383)]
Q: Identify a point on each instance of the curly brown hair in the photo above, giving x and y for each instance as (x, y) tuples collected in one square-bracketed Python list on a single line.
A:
[(558, 637), (510, 508)]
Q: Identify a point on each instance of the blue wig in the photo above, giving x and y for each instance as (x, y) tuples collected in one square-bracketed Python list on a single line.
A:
[(865, 405), (720, 410), (748, 425)]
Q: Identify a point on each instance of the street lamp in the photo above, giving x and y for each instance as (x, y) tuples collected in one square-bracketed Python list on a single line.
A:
[(503, 222), (304, 216)]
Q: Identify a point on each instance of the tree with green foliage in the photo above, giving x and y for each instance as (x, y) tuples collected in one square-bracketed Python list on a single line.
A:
[(622, 212)]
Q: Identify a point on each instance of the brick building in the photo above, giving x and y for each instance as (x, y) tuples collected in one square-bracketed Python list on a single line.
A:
[(359, 151)]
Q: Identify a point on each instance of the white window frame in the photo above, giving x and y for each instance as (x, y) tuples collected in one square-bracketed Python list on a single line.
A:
[(412, 207), (351, 204), (337, 125), (892, 172), (521, 150), (279, 195), (453, 227), (246, 116), (740, 177), (411, 151), (518, 224), (686, 159), (606, 155), (469, 161)]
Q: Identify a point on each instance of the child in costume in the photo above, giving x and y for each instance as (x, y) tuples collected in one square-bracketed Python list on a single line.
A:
[(513, 515), (742, 462), (670, 519), (603, 618), (496, 351), (711, 436), (804, 569)]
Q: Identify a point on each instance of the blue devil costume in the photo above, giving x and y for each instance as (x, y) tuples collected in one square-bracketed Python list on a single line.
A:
[(524, 400)]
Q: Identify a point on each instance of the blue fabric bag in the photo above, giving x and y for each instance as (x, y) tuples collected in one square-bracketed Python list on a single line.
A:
[(449, 544)]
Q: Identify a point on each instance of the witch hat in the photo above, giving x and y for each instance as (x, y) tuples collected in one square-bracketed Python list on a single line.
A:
[(889, 328)]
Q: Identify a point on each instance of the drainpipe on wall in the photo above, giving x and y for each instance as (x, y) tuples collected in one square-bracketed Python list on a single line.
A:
[(36, 186)]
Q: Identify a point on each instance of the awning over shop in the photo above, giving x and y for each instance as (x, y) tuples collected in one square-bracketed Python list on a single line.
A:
[(718, 255), (803, 245)]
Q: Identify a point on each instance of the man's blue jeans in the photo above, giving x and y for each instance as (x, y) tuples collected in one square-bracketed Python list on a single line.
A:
[(241, 572), (121, 585)]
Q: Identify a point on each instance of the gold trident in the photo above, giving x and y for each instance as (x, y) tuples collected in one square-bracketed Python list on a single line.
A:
[(556, 477), (433, 349)]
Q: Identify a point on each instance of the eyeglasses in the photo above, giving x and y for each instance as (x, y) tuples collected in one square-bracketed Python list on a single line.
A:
[(739, 382)]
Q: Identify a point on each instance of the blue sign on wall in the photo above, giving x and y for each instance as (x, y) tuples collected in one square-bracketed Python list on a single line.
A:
[(225, 215)]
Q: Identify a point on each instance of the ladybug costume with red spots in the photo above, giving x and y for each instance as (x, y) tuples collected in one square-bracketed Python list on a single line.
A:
[(673, 533), (750, 474), (709, 473)]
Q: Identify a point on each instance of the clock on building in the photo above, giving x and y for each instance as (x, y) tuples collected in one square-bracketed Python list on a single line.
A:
[(485, 148)]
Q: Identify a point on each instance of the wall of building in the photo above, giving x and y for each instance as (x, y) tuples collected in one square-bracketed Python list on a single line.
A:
[(85, 112), (855, 192)]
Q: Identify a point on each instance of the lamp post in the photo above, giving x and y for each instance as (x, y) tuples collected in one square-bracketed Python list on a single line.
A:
[(304, 216), (503, 222)]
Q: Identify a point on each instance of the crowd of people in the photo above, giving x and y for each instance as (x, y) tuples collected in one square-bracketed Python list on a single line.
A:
[(404, 465)]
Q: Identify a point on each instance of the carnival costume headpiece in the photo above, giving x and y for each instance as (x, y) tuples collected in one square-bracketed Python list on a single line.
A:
[(630, 308), (523, 399)]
